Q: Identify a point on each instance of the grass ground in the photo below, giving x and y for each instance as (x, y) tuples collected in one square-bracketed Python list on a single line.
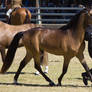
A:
[(72, 81)]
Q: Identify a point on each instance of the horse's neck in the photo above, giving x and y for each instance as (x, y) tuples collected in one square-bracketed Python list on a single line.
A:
[(80, 30)]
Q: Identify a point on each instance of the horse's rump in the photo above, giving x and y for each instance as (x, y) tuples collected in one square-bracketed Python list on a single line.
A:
[(20, 16)]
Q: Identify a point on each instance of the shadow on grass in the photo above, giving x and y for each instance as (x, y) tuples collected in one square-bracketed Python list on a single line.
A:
[(75, 86), (23, 84), (41, 85), (20, 73)]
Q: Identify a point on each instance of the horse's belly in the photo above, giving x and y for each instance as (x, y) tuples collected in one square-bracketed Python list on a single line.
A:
[(56, 51)]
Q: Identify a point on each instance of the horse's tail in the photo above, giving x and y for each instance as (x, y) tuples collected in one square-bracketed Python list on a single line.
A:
[(27, 19), (90, 47), (11, 52)]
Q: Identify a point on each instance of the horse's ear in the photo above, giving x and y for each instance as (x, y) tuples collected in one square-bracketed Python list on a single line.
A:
[(88, 5)]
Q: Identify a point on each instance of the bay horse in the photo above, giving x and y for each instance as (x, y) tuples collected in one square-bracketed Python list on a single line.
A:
[(20, 16), (67, 41)]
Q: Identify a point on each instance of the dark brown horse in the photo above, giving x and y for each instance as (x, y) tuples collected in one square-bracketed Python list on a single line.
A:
[(67, 41), (20, 16)]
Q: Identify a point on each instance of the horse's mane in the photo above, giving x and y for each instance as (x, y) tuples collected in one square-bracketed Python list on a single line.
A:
[(72, 23)]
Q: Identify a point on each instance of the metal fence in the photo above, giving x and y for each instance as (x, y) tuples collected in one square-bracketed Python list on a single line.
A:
[(48, 15)]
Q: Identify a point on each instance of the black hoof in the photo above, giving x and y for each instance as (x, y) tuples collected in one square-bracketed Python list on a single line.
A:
[(52, 84), (59, 84), (16, 83), (85, 79)]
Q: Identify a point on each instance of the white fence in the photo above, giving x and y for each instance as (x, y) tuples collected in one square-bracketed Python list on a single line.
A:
[(50, 15)]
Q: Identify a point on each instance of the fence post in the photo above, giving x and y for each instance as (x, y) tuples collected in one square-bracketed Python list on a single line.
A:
[(38, 12)]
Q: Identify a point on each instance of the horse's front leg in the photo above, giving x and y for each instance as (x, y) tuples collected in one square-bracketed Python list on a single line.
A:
[(80, 56), (2, 50), (65, 67), (37, 66)]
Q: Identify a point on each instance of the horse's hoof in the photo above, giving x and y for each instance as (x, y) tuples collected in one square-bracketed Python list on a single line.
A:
[(15, 82), (85, 78), (85, 81), (52, 84), (59, 84)]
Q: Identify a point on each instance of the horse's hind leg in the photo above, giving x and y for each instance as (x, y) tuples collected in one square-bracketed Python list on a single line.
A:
[(65, 67), (37, 66), (22, 65)]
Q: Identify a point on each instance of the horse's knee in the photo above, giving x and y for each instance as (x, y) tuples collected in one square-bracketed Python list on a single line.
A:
[(37, 65)]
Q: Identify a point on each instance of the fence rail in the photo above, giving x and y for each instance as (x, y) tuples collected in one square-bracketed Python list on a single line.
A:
[(55, 8), (48, 15)]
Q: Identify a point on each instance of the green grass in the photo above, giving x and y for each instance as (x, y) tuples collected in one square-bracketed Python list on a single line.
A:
[(72, 81)]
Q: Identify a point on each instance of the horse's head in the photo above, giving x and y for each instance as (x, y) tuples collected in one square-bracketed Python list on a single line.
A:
[(88, 17)]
